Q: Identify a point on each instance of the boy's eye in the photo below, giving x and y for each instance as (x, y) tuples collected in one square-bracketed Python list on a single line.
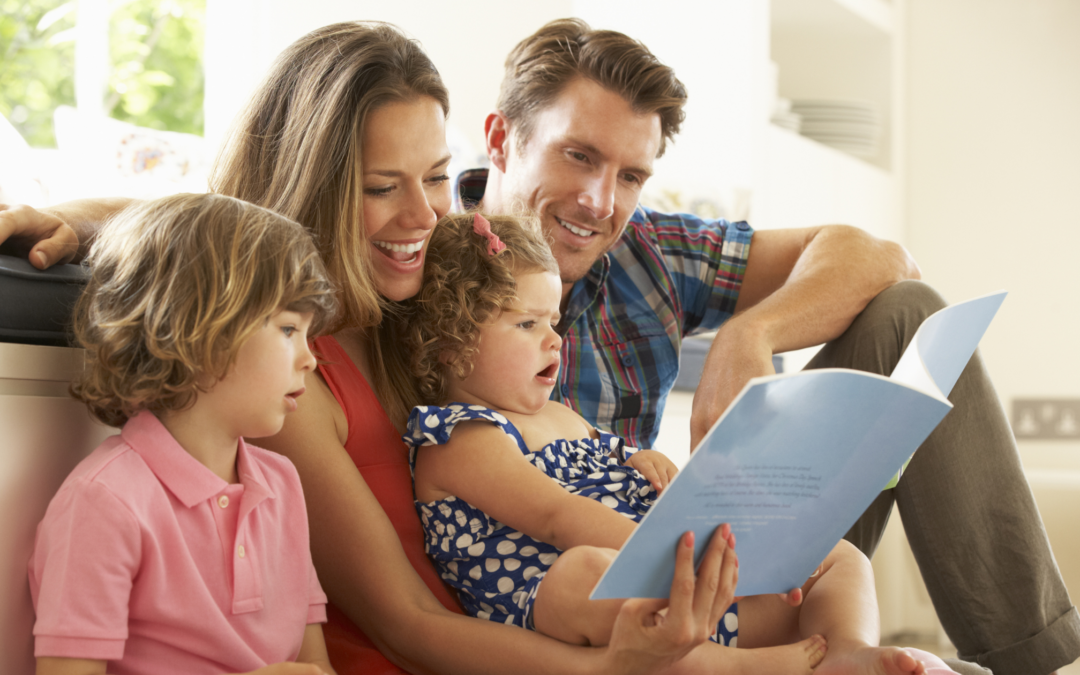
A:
[(526, 324), (288, 330)]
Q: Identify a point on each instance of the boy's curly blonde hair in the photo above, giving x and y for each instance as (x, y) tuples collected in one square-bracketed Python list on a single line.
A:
[(177, 286), (465, 287)]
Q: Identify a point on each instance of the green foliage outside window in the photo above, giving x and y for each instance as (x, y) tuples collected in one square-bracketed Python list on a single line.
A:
[(155, 46), (37, 64)]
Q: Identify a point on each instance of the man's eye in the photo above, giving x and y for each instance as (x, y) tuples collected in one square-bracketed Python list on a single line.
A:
[(579, 156)]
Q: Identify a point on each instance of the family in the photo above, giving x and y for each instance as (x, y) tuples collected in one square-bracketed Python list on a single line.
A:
[(323, 303)]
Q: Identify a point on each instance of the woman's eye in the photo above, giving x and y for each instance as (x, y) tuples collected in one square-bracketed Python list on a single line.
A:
[(439, 180), (379, 192)]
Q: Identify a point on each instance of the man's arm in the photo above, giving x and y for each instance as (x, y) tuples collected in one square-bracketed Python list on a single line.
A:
[(58, 234), (802, 287)]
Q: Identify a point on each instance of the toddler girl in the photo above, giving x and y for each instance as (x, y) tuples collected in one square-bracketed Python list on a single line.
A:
[(177, 547), (524, 503)]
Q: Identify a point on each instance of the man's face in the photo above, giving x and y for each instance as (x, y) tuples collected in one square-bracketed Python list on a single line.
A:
[(582, 171)]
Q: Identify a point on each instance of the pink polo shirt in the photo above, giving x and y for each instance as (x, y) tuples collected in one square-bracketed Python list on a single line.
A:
[(148, 560)]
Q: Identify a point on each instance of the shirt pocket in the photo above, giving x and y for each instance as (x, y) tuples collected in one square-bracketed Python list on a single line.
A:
[(642, 363)]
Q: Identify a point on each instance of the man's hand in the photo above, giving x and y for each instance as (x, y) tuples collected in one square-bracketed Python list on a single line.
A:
[(655, 466), (44, 239), (738, 353)]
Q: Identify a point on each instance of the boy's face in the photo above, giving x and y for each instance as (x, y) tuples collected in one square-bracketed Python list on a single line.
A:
[(518, 361), (266, 380)]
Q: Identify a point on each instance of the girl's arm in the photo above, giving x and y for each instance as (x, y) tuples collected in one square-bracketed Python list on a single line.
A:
[(365, 572), (483, 466)]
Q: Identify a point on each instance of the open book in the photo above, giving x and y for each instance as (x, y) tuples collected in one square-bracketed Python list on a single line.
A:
[(796, 459)]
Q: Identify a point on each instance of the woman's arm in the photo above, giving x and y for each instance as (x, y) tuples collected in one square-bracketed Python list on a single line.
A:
[(365, 572), (58, 234), (313, 650), (483, 466)]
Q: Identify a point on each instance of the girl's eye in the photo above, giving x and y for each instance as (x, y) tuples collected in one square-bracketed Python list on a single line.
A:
[(288, 330)]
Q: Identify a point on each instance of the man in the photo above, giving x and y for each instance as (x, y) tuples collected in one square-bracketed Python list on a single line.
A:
[(581, 117)]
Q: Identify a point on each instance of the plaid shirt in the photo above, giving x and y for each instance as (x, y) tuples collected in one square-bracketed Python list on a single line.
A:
[(667, 277)]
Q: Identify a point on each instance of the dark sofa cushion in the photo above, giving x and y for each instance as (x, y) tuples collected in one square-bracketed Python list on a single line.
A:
[(35, 305)]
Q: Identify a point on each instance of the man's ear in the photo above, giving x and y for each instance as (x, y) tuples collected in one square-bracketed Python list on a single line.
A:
[(497, 138)]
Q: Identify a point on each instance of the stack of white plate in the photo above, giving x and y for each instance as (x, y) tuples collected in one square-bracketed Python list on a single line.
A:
[(847, 125)]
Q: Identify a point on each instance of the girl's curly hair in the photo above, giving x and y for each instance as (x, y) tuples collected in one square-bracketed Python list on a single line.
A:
[(177, 286), (465, 287)]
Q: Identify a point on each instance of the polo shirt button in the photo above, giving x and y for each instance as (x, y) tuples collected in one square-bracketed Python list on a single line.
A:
[(240, 550), (565, 389), (742, 225), (627, 360), (223, 501)]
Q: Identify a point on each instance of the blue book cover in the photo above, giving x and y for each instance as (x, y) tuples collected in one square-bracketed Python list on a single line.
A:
[(796, 459)]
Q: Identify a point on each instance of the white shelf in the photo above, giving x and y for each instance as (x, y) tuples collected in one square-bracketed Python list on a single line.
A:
[(837, 17)]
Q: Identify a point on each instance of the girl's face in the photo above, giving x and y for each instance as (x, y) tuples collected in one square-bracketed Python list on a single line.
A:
[(406, 190), (518, 359)]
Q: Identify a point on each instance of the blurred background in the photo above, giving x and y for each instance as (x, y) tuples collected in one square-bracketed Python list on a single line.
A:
[(948, 125)]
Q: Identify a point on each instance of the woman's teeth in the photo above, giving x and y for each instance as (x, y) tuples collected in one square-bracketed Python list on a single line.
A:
[(576, 230), (400, 248)]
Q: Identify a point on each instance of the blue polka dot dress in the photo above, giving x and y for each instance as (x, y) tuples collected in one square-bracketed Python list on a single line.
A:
[(495, 569)]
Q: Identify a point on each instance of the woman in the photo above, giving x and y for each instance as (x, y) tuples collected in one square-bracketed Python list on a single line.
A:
[(347, 136)]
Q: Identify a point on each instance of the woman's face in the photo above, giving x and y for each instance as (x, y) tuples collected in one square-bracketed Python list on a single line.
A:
[(406, 190)]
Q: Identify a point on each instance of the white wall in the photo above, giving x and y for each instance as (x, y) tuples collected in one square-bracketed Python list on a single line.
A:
[(994, 182)]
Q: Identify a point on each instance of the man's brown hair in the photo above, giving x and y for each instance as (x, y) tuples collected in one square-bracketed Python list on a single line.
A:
[(541, 65)]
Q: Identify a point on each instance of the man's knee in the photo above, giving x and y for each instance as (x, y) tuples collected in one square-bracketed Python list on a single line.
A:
[(905, 305)]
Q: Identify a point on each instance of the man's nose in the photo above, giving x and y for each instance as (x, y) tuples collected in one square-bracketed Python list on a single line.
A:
[(599, 195)]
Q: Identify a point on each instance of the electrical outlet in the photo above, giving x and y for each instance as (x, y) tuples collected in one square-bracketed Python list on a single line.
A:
[(1046, 418)]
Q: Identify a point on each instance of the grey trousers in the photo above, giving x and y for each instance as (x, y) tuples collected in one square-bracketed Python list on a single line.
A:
[(967, 509)]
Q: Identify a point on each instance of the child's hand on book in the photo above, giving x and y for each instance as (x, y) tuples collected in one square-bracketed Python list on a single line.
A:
[(655, 466)]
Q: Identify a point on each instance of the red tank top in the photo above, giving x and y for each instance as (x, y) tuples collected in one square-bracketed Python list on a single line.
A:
[(376, 448)]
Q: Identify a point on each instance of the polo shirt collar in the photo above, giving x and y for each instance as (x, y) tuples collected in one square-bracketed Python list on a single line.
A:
[(182, 474)]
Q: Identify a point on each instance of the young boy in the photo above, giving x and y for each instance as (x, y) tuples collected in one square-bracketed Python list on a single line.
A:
[(176, 547)]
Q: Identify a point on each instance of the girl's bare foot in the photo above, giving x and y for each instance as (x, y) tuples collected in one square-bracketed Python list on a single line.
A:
[(800, 658), (848, 659)]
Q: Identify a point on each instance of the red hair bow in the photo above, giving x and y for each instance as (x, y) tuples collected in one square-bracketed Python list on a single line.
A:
[(482, 227)]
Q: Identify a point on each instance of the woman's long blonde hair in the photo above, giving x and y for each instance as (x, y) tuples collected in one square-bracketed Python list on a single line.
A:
[(297, 150)]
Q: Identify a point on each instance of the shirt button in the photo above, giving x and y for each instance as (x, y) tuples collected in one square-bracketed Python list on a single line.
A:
[(565, 390), (627, 360), (223, 501), (240, 550), (742, 225)]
